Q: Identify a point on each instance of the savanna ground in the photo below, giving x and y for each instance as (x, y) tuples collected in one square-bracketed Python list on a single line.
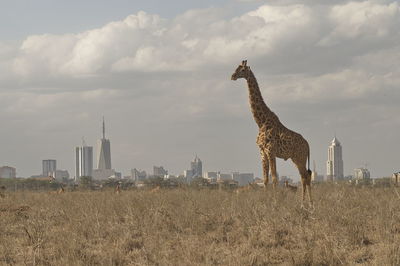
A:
[(350, 225)]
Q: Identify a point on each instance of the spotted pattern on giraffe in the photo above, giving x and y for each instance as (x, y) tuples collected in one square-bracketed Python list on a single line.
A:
[(274, 139)]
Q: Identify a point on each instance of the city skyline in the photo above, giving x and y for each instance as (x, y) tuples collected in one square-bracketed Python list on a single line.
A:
[(335, 72), (84, 164)]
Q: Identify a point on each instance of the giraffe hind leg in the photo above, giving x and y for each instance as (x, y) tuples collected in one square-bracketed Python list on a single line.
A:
[(265, 165), (305, 179)]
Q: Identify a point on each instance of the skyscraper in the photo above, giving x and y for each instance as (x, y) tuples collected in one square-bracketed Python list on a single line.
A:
[(334, 164), (104, 152), (197, 167), (49, 167), (84, 161)]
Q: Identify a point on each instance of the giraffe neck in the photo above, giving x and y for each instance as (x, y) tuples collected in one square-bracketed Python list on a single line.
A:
[(260, 110)]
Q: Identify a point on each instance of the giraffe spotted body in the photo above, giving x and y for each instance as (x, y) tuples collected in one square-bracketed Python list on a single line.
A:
[(274, 139)]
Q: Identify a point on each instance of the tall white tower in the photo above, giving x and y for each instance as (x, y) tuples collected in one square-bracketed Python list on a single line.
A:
[(104, 152), (334, 165), (84, 160)]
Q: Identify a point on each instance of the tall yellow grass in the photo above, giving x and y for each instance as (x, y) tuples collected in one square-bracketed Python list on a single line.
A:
[(349, 225)]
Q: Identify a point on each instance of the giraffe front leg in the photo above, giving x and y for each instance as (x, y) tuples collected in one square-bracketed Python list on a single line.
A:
[(304, 185), (265, 165), (272, 164)]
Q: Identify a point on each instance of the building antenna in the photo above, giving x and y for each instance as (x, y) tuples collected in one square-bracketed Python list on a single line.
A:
[(83, 141)]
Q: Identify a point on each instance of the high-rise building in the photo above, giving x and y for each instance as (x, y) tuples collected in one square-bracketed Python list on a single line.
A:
[(49, 167), (8, 172), (159, 171), (197, 167), (103, 170), (104, 151), (196, 170), (334, 164), (188, 175), (243, 179), (84, 161), (138, 175)]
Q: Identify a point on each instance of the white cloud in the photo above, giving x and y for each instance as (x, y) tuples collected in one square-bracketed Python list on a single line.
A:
[(148, 43), (364, 21)]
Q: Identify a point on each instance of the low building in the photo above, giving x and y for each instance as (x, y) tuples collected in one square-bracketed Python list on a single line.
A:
[(242, 179), (102, 174), (361, 174), (316, 178), (245, 179), (169, 176), (188, 176), (228, 183), (283, 179), (382, 182), (396, 178), (61, 175), (8, 172), (43, 178), (211, 175), (224, 177)]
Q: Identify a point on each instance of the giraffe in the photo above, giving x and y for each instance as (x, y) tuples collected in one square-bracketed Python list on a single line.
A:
[(274, 139)]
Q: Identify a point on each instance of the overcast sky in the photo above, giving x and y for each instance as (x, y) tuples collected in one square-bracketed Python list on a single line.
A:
[(159, 71)]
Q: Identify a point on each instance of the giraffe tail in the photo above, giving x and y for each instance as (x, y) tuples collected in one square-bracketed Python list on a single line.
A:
[(308, 159)]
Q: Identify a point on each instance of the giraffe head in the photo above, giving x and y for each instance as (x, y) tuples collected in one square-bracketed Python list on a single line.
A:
[(242, 71)]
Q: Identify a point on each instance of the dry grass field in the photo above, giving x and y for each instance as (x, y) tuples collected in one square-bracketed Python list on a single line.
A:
[(350, 225)]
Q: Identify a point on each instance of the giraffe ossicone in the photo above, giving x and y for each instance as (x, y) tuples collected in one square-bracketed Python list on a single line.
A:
[(274, 139)]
